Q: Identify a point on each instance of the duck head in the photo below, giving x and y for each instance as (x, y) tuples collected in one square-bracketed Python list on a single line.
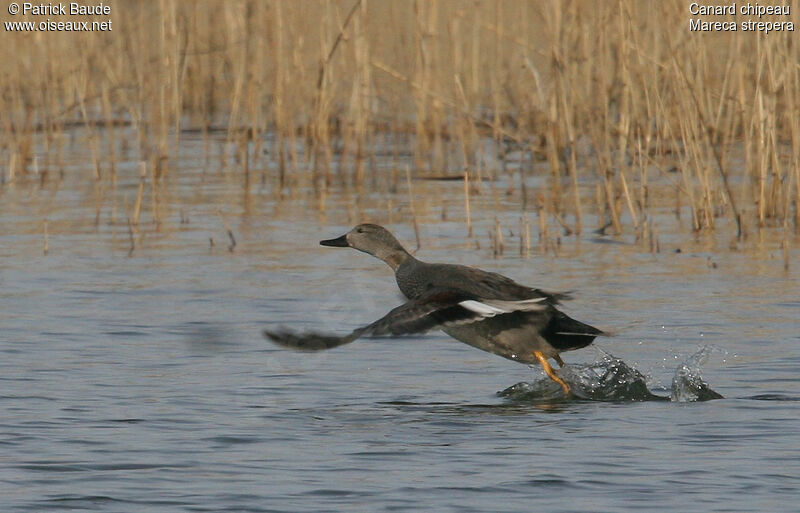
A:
[(374, 240)]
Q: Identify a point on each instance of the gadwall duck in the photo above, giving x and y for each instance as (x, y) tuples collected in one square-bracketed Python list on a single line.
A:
[(483, 309)]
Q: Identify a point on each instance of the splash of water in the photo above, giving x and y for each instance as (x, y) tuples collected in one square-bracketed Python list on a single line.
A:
[(688, 384), (611, 379)]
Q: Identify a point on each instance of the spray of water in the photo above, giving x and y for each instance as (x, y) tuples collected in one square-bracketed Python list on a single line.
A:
[(688, 384), (611, 379)]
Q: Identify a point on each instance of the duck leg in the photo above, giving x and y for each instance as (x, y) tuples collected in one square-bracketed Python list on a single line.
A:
[(558, 360), (550, 372)]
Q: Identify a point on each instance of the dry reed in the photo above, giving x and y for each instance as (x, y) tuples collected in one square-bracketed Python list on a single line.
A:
[(605, 92)]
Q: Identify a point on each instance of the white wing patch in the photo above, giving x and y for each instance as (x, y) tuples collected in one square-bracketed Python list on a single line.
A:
[(482, 309), (491, 307)]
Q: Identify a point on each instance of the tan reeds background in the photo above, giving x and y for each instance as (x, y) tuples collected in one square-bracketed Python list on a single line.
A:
[(615, 94)]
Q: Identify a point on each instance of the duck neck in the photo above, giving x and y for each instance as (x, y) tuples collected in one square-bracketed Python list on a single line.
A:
[(395, 258)]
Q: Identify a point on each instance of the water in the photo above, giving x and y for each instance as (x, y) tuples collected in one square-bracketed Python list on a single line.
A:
[(611, 379), (143, 383)]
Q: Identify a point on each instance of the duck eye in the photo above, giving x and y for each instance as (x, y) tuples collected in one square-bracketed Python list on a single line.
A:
[(359, 230)]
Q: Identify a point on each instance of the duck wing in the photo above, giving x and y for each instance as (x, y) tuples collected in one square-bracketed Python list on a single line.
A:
[(485, 284), (435, 309)]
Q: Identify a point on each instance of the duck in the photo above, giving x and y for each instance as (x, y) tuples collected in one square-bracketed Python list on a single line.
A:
[(483, 309)]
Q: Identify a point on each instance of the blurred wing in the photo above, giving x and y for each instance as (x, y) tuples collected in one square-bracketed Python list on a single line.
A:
[(307, 341), (436, 309)]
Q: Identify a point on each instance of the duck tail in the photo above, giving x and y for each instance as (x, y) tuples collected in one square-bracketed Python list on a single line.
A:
[(566, 334)]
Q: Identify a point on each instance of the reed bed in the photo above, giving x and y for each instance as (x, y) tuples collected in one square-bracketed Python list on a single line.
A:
[(609, 97)]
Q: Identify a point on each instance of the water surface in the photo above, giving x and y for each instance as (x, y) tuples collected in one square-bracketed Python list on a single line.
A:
[(139, 380)]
